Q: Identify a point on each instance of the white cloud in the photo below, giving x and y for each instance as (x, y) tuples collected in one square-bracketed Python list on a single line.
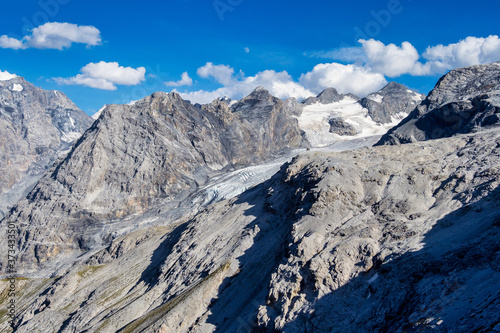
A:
[(5, 76), (11, 43), (55, 35), (105, 75), (279, 84), (184, 81), (374, 61), (247, 50), (345, 78), (221, 73), (392, 60), (467, 52)]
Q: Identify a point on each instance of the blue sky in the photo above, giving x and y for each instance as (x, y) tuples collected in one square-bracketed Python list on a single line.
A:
[(118, 51)]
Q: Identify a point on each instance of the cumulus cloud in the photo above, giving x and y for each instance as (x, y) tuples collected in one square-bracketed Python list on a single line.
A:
[(105, 75), (11, 43), (345, 78), (55, 35), (184, 81), (467, 52), (279, 84), (223, 74), (392, 60), (373, 62)]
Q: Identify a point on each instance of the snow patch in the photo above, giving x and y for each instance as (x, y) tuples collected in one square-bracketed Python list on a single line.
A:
[(314, 122), (417, 98), (98, 113), (376, 98), (5, 76), (70, 136), (17, 87), (398, 117)]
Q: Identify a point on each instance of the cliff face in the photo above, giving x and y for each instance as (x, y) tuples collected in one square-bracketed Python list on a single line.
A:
[(464, 100), (133, 157), (36, 126)]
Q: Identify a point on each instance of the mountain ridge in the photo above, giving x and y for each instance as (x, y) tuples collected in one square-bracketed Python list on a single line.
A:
[(133, 156)]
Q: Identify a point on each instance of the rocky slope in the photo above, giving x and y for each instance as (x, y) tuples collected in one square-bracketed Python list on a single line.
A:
[(36, 126), (372, 240), (159, 149), (464, 100)]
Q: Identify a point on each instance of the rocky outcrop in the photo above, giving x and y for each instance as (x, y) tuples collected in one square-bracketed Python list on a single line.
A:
[(464, 100), (36, 126), (341, 127), (137, 156), (390, 103)]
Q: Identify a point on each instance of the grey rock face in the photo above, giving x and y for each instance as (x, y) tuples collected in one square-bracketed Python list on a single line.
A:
[(327, 96), (292, 107), (35, 127), (391, 101), (393, 238), (464, 100), (135, 156), (341, 127)]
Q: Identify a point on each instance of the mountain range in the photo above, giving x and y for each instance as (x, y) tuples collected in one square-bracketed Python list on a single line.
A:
[(259, 215)]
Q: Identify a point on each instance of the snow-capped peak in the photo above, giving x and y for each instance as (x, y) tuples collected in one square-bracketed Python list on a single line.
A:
[(5, 76), (98, 113)]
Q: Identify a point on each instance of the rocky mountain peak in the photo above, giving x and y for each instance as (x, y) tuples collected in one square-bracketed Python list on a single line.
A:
[(258, 96), (225, 99), (464, 100), (466, 82), (394, 101), (257, 103), (328, 96), (392, 87), (36, 126)]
